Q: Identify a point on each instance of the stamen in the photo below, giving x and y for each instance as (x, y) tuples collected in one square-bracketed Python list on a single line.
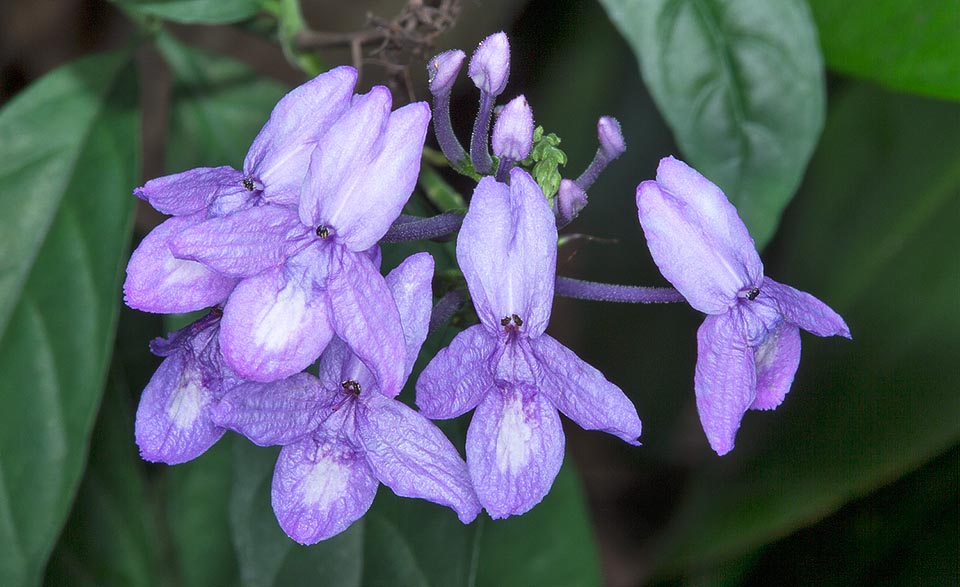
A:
[(322, 231), (350, 386), (750, 293), (248, 184)]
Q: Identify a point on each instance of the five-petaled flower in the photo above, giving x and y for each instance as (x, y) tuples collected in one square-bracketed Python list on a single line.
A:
[(516, 376), (748, 347)]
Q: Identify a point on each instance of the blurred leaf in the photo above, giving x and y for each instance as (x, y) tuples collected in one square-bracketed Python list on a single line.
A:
[(741, 84), (194, 11), (912, 46), (69, 149), (874, 236)]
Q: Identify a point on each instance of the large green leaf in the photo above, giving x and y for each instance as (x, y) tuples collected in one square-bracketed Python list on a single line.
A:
[(875, 236), (194, 11), (741, 84), (68, 158), (912, 46)]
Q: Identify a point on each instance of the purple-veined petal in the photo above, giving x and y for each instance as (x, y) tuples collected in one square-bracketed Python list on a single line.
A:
[(696, 237), (281, 152), (411, 286), (725, 380), (776, 359), (173, 425), (338, 365), (365, 316), (246, 243), (411, 456), (516, 363), (274, 413), (507, 249), (514, 450), (804, 310), (459, 376), (275, 324), (191, 191), (321, 485), (583, 394), (159, 282)]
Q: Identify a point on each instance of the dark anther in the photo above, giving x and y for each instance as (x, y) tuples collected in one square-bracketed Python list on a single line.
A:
[(216, 311), (505, 321), (322, 231), (512, 318), (752, 293), (248, 184), (351, 386), (517, 320)]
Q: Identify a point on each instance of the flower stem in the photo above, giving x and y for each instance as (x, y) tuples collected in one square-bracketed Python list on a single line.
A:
[(414, 228), (446, 308), (605, 292), (479, 151)]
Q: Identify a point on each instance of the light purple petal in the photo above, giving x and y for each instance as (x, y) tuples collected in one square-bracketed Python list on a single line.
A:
[(275, 324), (507, 250), (411, 286), (172, 424), (514, 451), (365, 316), (725, 379), (320, 486), (411, 456), (777, 360), (245, 243), (274, 413), (281, 152), (159, 282), (459, 376), (804, 310), (191, 191), (583, 394), (696, 237)]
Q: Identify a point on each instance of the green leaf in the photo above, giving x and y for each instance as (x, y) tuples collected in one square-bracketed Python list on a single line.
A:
[(741, 84), (912, 46), (875, 237), (193, 11), (69, 149)]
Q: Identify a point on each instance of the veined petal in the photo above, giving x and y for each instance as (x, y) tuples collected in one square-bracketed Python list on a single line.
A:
[(411, 456), (172, 424), (411, 286), (320, 486), (725, 379), (159, 282), (507, 249), (246, 243), (459, 376), (274, 413), (191, 191), (804, 310), (281, 152), (365, 316), (338, 364), (696, 237), (583, 394), (777, 359), (514, 450)]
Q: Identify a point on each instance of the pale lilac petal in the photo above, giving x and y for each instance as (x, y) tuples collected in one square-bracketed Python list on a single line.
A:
[(172, 424), (159, 282), (274, 413), (777, 360), (804, 310), (725, 379), (281, 152), (507, 250), (411, 286), (191, 191), (411, 456), (274, 325), (459, 376), (583, 394), (514, 451), (364, 315), (320, 486), (245, 243), (696, 237), (516, 363)]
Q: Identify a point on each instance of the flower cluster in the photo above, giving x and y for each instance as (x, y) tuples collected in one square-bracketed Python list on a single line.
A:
[(307, 345)]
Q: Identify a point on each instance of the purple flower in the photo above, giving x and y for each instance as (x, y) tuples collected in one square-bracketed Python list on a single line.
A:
[(344, 434), (173, 420), (273, 171), (310, 271), (516, 376), (748, 348)]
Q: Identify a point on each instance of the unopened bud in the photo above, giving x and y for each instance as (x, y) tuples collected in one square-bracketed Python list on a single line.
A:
[(610, 137), (570, 201), (443, 69), (513, 130), (490, 65)]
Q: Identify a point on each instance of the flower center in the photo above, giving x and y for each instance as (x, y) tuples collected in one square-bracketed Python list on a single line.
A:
[(749, 293), (511, 323), (350, 386), (323, 231), (248, 184)]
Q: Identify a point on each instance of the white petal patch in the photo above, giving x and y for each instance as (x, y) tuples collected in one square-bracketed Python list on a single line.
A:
[(186, 402), (273, 330), (513, 438), (325, 483), (178, 272)]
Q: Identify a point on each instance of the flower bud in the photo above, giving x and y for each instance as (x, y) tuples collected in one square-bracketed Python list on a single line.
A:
[(490, 65), (610, 137), (570, 201), (513, 130), (443, 69)]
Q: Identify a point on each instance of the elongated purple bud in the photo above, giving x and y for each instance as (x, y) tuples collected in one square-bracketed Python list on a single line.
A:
[(569, 202), (490, 65), (513, 130), (612, 146), (442, 71)]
